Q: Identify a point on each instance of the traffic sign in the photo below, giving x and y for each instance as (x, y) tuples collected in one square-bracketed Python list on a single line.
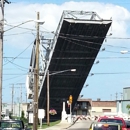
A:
[(70, 99)]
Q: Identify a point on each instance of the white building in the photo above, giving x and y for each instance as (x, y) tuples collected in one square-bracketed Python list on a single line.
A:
[(17, 109)]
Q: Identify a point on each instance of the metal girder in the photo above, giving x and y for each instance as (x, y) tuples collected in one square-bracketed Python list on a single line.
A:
[(65, 15), (75, 41), (76, 14)]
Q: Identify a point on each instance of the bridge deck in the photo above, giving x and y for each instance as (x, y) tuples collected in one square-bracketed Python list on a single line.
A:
[(77, 46)]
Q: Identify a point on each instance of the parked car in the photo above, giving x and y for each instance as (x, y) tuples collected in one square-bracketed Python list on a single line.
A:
[(125, 124), (105, 126), (12, 125)]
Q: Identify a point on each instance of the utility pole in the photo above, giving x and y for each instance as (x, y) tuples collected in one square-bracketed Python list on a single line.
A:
[(1, 51), (12, 98), (1, 48), (111, 97), (21, 95), (121, 96), (20, 99), (116, 95), (48, 99), (36, 80)]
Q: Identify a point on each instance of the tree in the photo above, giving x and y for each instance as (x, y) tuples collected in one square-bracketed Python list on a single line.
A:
[(128, 107), (22, 117)]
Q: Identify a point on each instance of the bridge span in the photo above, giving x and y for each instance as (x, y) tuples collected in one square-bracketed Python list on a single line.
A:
[(75, 45)]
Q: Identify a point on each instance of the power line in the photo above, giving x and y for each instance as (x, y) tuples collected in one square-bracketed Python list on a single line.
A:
[(78, 44), (18, 66), (22, 28), (90, 37), (6, 86), (12, 78), (83, 58), (16, 74), (111, 73), (10, 69), (86, 41), (27, 32), (6, 57), (74, 58), (18, 54)]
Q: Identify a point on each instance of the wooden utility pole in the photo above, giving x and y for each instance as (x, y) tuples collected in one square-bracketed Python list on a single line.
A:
[(1, 47), (12, 106), (1, 51), (48, 99), (36, 80), (116, 95), (21, 95)]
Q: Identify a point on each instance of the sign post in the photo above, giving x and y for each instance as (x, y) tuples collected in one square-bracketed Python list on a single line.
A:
[(70, 101)]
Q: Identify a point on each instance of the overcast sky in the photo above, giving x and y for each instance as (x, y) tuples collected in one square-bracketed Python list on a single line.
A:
[(112, 73)]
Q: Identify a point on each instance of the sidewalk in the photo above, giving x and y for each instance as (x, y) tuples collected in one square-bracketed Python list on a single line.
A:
[(61, 126)]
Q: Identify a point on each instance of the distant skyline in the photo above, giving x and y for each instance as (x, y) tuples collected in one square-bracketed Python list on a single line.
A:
[(111, 74)]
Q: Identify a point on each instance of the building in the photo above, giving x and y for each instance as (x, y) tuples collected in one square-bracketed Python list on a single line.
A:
[(99, 107), (17, 109), (89, 107), (126, 100)]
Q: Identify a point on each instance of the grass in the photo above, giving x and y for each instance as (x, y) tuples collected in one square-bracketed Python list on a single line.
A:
[(44, 125)]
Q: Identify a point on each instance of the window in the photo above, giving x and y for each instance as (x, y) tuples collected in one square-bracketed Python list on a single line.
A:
[(110, 127), (10, 125), (112, 120), (106, 110)]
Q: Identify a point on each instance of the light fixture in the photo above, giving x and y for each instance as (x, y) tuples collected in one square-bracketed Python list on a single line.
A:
[(103, 49), (39, 21), (97, 62), (73, 70), (91, 74), (124, 51)]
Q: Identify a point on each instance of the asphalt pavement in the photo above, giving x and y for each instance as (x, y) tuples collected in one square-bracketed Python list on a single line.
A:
[(79, 125)]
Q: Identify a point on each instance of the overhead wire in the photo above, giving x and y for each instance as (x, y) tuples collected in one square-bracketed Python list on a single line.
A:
[(6, 86), (23, 28), (112, 73), (18, 54), (18, 66), (17, 26), (86, 46), (70, 40), (19, 33), (12, 78), (16, 74), (91, 37), (17, 57), (92, 42), (83, 58)]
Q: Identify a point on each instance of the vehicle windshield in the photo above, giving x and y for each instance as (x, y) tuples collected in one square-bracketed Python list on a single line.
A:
[(112, 120), (5, 125), (110, 127)]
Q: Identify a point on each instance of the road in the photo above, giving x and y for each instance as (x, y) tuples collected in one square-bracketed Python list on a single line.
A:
[(80, 125)]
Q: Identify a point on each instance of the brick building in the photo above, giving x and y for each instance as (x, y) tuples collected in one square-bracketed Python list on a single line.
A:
[(89, 107)]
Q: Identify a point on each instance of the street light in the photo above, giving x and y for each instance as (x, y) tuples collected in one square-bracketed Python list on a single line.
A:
[(36, 76), (37, 21), (124, 51), (36, 70), (48, 92)]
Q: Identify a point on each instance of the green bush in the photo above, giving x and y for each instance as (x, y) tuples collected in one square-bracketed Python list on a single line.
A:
[(23, 118)]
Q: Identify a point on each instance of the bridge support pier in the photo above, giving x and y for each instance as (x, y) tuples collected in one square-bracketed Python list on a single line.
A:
[(64, 115)]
